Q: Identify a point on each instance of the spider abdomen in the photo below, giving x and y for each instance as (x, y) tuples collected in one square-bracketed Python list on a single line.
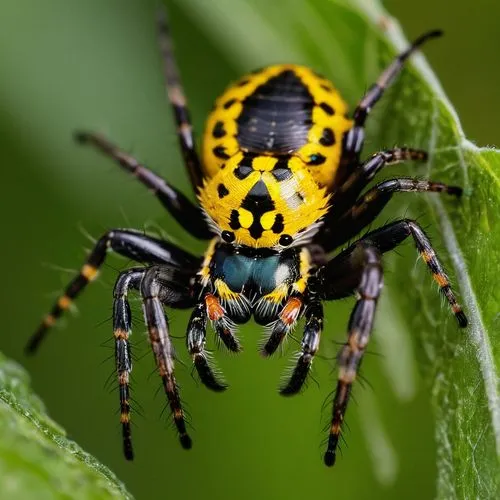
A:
[(284, 109), (271, 149)]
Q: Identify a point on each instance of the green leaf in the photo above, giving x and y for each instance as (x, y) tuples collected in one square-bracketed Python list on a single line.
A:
[(36, 458), (461, 367)]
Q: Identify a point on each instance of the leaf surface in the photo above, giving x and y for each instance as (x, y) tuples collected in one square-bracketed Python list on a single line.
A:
[(37, 460)]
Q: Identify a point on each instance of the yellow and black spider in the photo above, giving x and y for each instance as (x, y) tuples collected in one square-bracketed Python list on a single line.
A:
[(280, 186)]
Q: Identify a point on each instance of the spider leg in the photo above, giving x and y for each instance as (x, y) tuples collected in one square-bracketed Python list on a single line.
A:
[(187, 214), (365, 210), (359, 331), (222, 324), (122, 328), (178, 101), (196, 339), (130, 244), (358, 268), (174, 292), (345, 195), (157, 324), (309, 347), (338, 276), (354, 139), (287, 319)]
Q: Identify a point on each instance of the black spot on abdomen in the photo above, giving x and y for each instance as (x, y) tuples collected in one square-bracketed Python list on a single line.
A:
[(277, 116)]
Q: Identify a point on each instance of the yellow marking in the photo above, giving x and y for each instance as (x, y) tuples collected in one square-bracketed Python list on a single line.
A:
[(304, 268), (246, 218), (441, 280), (278, 294), (89, 272), (124, 418), (335, 429), (427, 255), (298, 212), (49, 320), (267, 220), (64, 302), (324, 174), (204, 272), (224, 292), (370, 196), (264, 163)]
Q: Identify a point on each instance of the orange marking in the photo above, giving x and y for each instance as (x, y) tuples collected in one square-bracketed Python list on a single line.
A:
[(123, 378), (291, 310), (89, 272), (456, 308), (214, 310), (441, 280), (120, 334), (335, 429), (49, 320), (353, 342), (178, 415), (64, 302), (427, 256)]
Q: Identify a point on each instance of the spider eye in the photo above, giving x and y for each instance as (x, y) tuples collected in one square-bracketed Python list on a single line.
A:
[(316, 159), (285, 240), (227, 236)]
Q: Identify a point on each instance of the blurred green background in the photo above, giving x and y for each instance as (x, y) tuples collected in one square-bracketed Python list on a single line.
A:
[(94, 64)]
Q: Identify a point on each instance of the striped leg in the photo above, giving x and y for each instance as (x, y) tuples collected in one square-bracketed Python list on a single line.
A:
[(340, 274), (179, 104), (188, 215), (369, 206), (360, 327), (128, 243), (309, 347), (353, 143), (122, 328), (345, 196), (156, 321), (429, 256), (196, 339), (358, 268)]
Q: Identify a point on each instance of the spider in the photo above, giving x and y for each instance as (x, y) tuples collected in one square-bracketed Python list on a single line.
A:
[(280, 184)]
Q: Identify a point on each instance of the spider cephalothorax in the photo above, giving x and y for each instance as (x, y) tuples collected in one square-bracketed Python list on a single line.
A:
[(280, 185)]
